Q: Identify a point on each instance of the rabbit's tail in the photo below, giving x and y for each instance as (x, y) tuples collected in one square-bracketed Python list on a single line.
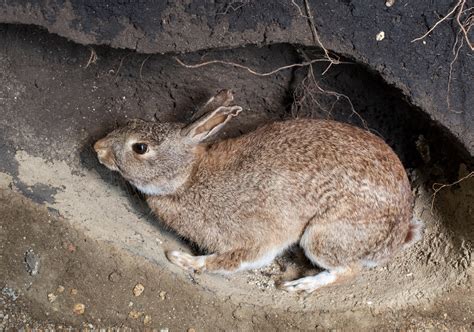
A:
[(415, 231)]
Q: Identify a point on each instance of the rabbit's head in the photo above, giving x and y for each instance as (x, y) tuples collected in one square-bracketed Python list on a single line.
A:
[(158, 158)]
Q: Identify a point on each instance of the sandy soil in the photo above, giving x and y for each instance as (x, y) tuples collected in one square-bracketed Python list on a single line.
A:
[(74, 269)]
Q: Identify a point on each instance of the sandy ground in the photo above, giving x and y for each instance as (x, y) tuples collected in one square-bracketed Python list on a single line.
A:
[(66, 268)]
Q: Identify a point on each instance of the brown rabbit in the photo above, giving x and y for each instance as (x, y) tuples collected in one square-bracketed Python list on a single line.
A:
[(338, 191)]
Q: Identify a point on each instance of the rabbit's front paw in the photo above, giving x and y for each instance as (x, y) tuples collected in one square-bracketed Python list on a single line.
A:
[(186, 261)]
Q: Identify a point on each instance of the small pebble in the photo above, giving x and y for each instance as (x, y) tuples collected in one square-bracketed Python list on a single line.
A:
[(389, 3), (147, 320), (79, 308), (380, 36), (114, 276), (32, 262), (71, 247), (138, 289), (134, 314), (162, 295), (191, 330), (60, 289), (73, 292), (52, 297)]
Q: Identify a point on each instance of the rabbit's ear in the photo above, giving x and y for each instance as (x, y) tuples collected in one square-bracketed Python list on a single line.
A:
[(222, 98), (211, 123)]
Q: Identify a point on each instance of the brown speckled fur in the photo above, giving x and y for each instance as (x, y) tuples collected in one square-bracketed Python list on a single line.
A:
[(337, 190)]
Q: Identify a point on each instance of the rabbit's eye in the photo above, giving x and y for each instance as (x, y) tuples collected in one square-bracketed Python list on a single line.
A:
[(140, 148)]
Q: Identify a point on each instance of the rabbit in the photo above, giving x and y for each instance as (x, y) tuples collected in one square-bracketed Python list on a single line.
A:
[(338, 191)]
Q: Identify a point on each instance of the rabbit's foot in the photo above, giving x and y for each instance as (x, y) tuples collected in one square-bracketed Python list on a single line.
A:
[(187, 261), (312, 283)]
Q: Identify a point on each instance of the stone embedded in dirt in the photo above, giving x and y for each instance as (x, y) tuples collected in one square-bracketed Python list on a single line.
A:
[(10, 292), (79, 308), (134, 314), (191, 329), (52, 297), (138, 289), (71, 247), (147, 320), (115, 276), (32, 262), (73, 292), (389, 3), (162, 295), (60, 289), (380, 36)]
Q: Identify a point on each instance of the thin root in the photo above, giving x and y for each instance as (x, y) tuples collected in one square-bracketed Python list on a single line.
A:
[(304, 94), (141, 66), (250, 70), (451, 12), (317, 40), (92, 58), (456, 49), (464, 28), (120, 66), (438, 186)]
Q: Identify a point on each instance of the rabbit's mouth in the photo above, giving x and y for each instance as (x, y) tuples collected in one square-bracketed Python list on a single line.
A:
[(151, 189)]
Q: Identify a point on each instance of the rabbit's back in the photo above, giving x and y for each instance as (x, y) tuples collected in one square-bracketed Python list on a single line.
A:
[(271, 182), (304, 155)]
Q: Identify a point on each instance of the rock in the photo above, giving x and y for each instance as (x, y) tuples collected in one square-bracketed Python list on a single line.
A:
[(380, 36), (162, 295), (60, 289), (52, 297), (79, 308), (32, 262), (138, 289), (73, 291), (10, 292), (115, 276), (147, 320), (71, 247), (134, 314)]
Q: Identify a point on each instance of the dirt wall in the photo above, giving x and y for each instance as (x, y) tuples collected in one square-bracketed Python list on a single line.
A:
[(420, 69)]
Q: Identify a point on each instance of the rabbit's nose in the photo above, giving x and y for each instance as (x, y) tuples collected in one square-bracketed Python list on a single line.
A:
[(102, 149), (100, 146)]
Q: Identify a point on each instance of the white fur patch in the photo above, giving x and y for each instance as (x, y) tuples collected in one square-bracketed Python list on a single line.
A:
[(152, 190), (264, 260), (310, 284), (187, 261)]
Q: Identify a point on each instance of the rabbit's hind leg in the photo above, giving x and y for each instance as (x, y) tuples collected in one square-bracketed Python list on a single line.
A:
[(227, 262), (312, 283), (331, 247)]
